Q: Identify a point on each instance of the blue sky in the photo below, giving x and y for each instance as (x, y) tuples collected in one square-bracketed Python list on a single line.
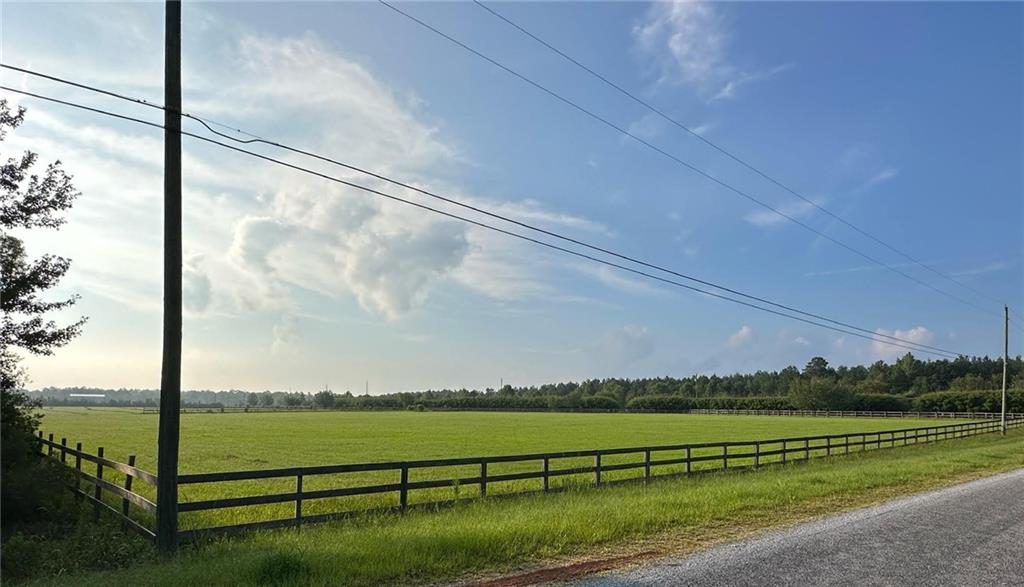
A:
[(903, 118)]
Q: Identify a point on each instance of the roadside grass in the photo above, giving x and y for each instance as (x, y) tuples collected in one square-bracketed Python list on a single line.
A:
[(494, 535), (240, 441)]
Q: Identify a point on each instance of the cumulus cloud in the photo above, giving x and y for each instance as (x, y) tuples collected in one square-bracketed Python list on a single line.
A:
[(801, 341), (335, 242), (887, 352), (263, 230)]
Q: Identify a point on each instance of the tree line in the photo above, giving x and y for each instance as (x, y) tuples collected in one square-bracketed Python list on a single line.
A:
[(907, 383)]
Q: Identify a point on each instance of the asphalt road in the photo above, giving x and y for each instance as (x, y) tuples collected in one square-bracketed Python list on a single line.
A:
[(969, 534)]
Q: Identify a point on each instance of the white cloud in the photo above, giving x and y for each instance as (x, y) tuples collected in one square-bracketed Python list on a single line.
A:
[(987, 268), (259, 232), (286, 335), (649, 126), (883, 176), (801, 341), (742, 79), (624, 346), (794, 209), (887, 352), (694, 36), (196, 290), (619, 279), (688, 43), (741, 338)]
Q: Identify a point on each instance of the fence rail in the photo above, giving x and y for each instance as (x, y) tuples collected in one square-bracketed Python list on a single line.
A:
[(650, 462), (693, 458), (858, 414), (707, 411), (98, 494)]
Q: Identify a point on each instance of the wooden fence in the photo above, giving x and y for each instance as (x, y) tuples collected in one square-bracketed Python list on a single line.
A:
[(649, 462), (858, 414), (652, 462), (102, 491), (815, 413)]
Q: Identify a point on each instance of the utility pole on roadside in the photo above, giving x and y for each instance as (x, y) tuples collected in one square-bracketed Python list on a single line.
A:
[(1006, 359), (170, 372)]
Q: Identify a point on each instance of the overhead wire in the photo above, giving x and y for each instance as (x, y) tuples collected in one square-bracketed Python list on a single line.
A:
[(256, 139), (699, 136), (911, 345), (678, 160)]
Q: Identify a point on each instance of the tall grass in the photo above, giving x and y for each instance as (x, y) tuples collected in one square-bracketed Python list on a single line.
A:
[(491, 535)]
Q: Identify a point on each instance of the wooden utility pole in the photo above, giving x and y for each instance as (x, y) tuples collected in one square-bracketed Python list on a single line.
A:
[(170, 374), (1006, 359)]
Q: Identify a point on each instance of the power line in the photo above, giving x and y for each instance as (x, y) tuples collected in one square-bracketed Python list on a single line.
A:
[(682, 162), (480, 210), (725, 152), (874, 337), (1016, 313)]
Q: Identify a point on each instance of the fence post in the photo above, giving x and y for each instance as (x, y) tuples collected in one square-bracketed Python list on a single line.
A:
[(483, 478), (757, 455), (298, 498), (828, 446), (846, 444), (647, 464), (597, 469), (127, 486), (63, 451), (49, 447), (725, 456), (547, 469), (78, 470), (41, 441), (807, 449), (98, 490), (403, 493), (783, 452), (688, 460)]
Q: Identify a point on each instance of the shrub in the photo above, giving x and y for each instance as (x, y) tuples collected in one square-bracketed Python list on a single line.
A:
[(882, 402), (968, 401), (600, 402), (660, 403)]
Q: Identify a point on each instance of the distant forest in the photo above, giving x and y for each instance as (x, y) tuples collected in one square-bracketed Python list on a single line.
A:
[(908, 383)]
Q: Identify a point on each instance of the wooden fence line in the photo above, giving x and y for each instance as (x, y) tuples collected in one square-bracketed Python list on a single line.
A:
[(714, 456), (712, 411), (100, 485), (856, 414), (751, 453)]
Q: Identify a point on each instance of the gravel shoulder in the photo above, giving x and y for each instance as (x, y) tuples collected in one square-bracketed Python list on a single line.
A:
[(967, 534)]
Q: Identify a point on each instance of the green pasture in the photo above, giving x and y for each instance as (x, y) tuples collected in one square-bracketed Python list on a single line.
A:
[(487, 536), (243, 441)]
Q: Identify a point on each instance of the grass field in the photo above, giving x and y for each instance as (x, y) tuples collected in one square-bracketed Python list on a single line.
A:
[(238, 441), (485, 536)]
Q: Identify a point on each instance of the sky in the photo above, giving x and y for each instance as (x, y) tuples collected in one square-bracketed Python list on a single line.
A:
[(904, 119)]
